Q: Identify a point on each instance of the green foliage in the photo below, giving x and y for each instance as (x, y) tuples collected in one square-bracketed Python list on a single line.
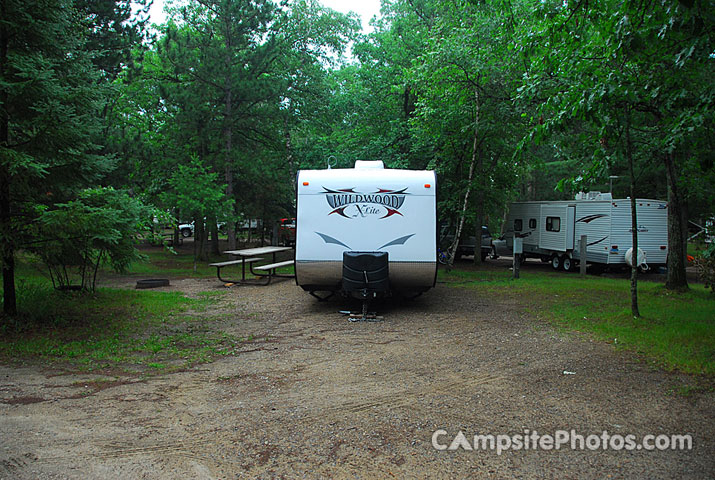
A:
[(705, 265), (101, 224), (51, 103), (196, 192), (114, 28), (466, 81), (600, 68), (227, 83)]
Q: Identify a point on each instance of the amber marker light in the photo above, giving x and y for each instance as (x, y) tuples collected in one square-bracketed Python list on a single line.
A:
[(305, 184)]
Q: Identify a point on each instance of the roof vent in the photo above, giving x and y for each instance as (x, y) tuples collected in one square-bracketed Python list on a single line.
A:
[(376, 164), (593, 196)]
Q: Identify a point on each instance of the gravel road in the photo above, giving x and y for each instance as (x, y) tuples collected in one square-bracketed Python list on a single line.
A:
[(315, 396)]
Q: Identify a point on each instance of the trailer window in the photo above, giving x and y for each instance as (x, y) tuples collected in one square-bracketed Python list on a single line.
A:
[(517, 225), (553, 224), (532, 223)]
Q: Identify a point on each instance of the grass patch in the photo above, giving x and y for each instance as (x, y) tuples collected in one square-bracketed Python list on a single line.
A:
[(131, 331), (676, 330), (181, 264), (163, 262), (159, 262)]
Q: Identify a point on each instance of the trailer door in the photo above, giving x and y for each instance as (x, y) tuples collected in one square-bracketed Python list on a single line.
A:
[(553, 227), (570, 230)]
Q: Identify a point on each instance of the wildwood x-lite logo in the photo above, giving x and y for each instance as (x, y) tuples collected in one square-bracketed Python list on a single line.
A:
[(351, 204)]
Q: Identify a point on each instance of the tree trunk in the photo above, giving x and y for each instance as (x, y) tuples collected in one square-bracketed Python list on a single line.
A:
[(6, 243), (634, 222), (479, 219), (263, 225), (200, 239), (205, 243), (196, 244), (212, 227), (8, 282), (463, 214), (228, 134), (676, 278), (634, 267), (290, 159)]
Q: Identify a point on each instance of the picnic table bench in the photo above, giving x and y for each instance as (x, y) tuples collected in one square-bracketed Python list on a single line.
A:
[(271, 269), (247, 258), (240, 261)]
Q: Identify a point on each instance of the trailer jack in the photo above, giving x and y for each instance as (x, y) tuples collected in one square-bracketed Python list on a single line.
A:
[(363, 316)]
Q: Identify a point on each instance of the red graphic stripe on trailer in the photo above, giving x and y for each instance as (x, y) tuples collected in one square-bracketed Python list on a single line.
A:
[(342, 190), (392, 192), (340, 211), (391, 212)]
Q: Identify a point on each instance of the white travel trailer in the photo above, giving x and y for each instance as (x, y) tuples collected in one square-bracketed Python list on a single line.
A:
[(369, 213), (552, 230)]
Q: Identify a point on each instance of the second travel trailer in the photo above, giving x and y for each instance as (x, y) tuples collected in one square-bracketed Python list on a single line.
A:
[(552, 230)]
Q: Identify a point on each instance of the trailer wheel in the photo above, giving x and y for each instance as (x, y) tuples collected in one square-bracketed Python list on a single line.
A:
[(567, 263), (555, 262)]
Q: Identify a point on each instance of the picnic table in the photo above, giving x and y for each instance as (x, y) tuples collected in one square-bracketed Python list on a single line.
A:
[(253, 255)]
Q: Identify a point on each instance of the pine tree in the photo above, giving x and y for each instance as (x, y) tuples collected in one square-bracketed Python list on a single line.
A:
[(50, 98)]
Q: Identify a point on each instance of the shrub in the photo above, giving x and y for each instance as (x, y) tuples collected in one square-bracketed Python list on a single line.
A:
[(101, 225), (705, 265)]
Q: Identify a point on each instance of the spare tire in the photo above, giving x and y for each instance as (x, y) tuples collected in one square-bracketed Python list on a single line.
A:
[(153, 283)]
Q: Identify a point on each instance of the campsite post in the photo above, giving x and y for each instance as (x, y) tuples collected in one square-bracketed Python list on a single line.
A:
[(582, 256), (518, 249)]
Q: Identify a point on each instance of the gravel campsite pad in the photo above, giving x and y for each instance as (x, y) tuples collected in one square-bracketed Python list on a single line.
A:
[(315, 396)]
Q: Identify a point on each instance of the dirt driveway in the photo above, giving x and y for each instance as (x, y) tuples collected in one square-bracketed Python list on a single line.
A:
[(317, 397)]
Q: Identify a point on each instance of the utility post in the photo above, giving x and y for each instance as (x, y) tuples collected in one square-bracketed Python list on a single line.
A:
[(611, 178), (518, 250), (582, 255)]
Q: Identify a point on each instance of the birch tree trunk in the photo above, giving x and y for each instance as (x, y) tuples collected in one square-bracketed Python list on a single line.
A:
[(465, 204)]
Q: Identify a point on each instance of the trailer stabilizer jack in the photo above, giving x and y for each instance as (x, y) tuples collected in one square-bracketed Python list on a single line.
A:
[(363, 316)]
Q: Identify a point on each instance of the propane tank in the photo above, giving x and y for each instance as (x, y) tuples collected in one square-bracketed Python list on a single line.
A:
[(641, 258)]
